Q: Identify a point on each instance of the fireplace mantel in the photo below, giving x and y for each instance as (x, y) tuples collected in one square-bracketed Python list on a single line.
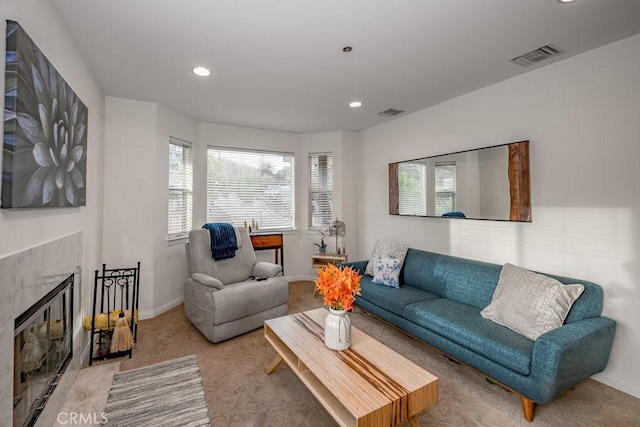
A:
[(27, 276)]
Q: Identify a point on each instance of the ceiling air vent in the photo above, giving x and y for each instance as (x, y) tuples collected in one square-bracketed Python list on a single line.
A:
[(391, 112), (535, 56)]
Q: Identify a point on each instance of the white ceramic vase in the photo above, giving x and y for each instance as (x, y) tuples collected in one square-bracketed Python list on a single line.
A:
[(337, 330)]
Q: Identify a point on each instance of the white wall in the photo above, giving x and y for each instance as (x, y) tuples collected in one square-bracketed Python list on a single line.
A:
[(343, 146), (581, 116), (298, 245), (130, 186), (136, 187), (136, 183), (26, 228), (218, 135), (170, 266)]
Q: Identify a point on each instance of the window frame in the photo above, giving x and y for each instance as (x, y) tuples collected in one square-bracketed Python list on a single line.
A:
[(449, 194), (318, 191), (185, 190), (290, 158), (419, 195)]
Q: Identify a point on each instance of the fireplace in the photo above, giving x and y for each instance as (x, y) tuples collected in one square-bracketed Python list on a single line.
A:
[(43, 347)]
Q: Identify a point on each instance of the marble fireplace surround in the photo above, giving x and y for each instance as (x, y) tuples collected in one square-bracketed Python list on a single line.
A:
[(25, 277)]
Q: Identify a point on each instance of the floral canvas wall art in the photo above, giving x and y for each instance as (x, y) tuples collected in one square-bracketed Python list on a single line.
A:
[(44, 162)]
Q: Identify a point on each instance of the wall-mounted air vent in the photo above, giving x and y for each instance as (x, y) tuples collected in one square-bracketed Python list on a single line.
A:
[(391, 112), (536, 55)]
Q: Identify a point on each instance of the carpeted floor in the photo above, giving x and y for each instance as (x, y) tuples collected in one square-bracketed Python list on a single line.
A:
[(239, 393)]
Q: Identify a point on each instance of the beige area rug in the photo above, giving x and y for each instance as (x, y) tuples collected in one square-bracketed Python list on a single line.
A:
[(165, 394), (239, 393)]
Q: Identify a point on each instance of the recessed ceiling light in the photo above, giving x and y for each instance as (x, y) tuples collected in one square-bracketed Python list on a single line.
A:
[(347, 49), (355, 104), (566, 1), (201, 71)]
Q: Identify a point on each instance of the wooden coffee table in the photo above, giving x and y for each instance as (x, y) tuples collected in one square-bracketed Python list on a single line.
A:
[(367, 385)]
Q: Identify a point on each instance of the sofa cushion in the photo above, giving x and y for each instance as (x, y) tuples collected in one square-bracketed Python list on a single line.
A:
[(459, 279), (383, 247), (530, 303), (391, 299), (462, 324), (386, 271)]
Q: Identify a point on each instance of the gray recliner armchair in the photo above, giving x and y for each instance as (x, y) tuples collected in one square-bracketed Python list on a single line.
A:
[(222, 298)]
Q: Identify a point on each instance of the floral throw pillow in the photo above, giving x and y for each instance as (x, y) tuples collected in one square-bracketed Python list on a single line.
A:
[(386, 271), (384, 247)]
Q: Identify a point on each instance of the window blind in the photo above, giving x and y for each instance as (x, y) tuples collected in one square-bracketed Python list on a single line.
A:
[(320, 190), (180, 188), (412, 188), (445, 188), (251, 186)]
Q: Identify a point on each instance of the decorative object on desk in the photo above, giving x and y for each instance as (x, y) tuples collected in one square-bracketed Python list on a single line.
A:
[(45, 131), (339, 286), (322, 246), (338, 228)]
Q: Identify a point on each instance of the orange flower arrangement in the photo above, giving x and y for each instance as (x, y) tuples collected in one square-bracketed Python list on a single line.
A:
[(339, 285)]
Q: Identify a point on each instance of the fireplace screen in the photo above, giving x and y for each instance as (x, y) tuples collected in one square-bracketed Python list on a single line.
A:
[(42, 350)]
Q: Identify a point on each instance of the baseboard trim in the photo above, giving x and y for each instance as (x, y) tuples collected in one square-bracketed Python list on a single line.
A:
[(618, 385), (159, 310)]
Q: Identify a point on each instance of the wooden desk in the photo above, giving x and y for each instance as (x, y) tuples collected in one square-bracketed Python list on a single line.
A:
[(266, 241), (320, 260)]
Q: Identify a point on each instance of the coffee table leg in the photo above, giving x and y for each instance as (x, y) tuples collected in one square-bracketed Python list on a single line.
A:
[(276, 362), (414, 422)]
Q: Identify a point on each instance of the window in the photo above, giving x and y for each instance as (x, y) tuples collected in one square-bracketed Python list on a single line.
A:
[(250, 186), (412, 188), (320, 190), (180, 188), (445, 188)]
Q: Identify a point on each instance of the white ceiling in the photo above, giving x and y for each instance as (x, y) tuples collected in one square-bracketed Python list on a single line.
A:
[(278, 64)]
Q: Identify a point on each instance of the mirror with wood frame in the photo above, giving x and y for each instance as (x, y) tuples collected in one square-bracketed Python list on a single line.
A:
[(489, 183)]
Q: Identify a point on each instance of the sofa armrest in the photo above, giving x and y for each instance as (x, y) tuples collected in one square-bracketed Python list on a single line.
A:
[(266, 269), (567, 355), (358, 266), (207, 280)]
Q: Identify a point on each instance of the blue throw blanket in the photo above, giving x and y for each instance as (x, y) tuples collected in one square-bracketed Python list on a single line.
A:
[(223, 240), (453, 215)]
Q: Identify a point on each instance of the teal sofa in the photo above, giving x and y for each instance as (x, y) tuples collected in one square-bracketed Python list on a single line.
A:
[(439, 302)]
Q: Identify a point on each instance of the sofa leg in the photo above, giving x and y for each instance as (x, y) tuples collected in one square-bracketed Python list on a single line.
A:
[(528, 406)]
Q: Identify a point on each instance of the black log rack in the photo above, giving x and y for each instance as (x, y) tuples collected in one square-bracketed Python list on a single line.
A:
[(113, 289)]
